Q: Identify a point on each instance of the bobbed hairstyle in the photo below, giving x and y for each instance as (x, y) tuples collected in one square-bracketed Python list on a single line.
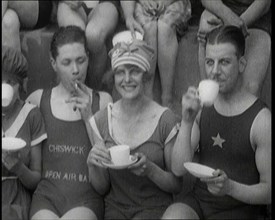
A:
[(228, 34), (67, 35)]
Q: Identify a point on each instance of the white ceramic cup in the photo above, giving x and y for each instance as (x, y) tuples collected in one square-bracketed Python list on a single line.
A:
[(208, 90), (125, 36), (120, 154), (7, 94)]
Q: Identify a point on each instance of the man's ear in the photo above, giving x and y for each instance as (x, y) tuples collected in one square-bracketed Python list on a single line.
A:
[(53, 62), (242, 64)]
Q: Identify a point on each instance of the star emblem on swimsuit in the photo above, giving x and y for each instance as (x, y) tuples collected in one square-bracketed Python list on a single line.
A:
[(218, 141)]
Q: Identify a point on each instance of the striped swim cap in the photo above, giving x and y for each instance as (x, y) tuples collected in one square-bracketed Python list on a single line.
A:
[(137, 53)]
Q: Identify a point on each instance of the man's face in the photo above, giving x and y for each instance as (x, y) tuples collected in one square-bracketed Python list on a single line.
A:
[(223, 65), (71, 64)]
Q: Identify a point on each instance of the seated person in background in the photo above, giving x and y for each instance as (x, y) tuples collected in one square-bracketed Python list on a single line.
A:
[(64, 191), (98, 19), (143, 190), (254, 17), (163, 22), (23, 14), (233, 136), (21, 170)]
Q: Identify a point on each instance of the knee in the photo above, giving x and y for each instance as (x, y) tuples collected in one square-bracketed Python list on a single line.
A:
[(260, 40), (95, 37), (150, 26), (11, 21), (179, 211), (165, 29)]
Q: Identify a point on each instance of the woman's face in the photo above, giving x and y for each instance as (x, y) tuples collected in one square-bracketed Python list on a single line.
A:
[(128, 81), (71, 64)]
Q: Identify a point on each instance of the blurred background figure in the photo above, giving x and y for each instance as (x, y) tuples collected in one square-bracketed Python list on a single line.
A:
[(254, 18), (98, 19), (17, 15), (163, 23), (21, 170)]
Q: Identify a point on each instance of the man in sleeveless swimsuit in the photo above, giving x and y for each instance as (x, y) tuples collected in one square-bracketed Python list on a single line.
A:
[(233, 136)]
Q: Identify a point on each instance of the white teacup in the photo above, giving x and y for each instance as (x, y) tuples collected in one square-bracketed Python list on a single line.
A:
[(7, 94), (208, 90), (126, 37), (120, 154)]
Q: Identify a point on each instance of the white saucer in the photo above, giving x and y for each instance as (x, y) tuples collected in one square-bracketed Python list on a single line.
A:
[(12, 144), (132, 160), (199, 170)]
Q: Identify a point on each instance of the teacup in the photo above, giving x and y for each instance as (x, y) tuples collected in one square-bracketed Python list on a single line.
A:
[(7, 94), (120, 154), (208, 90)]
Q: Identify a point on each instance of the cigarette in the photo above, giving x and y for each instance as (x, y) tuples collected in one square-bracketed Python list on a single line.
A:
[(75, 86)]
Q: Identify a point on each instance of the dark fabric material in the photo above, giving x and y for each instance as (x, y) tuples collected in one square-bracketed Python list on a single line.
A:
[(135, 195), (44, 13), (88, 10), (234, 154), (16, 199), (239, 6), (206, 210), (65, 174)]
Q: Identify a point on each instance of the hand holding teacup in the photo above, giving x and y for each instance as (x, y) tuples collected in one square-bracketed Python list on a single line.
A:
[(208, 90), (190, 105), (98, 154), (195, 98), (143, 167)]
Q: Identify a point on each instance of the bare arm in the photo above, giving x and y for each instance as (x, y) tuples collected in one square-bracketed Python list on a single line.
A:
[(257, 9), (165, 179), (259, 193), (188, 136), (128, 8), (223, 12)]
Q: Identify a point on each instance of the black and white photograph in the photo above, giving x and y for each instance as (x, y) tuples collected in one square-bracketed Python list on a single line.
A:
[(138, 109)]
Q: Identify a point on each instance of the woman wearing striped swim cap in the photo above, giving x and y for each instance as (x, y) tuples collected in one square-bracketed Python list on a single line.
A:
[(143, 188)]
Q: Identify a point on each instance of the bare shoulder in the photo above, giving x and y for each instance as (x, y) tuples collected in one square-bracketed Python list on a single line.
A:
[(35, 97), (263, 118), (261, 128), (104, 98)]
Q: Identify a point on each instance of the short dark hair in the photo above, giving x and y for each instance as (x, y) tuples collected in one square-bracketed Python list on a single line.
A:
[(228, 34), (67, 35)]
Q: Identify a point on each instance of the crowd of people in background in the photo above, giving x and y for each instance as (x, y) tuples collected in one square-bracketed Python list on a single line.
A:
[(70, 127)]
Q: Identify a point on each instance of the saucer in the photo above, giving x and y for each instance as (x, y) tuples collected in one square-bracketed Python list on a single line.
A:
[(132, 160), (12, 144), (199, 170)]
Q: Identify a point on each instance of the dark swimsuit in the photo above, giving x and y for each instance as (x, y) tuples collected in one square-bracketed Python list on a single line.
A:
[(44, 13), (88, 10)]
